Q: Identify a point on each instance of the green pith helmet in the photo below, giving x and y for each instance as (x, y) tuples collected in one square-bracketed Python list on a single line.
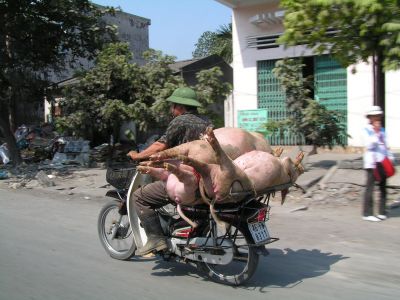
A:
[(184, 96)]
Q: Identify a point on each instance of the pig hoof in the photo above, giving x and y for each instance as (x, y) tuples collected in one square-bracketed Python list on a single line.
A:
[(278, 152), (300, 169), (299, 158), (143, 170), (169, 167)]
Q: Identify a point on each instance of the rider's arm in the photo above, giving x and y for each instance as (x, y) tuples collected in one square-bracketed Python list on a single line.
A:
[(153, 148)]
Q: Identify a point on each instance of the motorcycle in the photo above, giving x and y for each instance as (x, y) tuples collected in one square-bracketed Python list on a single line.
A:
[(224, 241)]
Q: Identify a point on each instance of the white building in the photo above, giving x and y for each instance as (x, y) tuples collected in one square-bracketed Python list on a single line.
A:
[(256, 24)]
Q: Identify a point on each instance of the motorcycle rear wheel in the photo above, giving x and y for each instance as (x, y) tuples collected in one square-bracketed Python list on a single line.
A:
[(115, 232), (243, 265)]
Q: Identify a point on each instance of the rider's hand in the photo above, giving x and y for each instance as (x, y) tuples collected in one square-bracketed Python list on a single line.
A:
[(133, 155)]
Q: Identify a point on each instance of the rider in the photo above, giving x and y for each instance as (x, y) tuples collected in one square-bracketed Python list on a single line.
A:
[(186, 126)]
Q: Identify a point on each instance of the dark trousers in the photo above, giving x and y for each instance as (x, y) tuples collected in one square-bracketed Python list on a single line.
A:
[(368, 195), (149, 197)]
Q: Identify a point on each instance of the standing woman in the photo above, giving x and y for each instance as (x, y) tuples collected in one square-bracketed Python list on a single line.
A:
[(375, 151)]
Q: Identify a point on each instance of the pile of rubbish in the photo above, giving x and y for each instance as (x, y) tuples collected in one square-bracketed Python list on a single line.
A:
[(45, 146)]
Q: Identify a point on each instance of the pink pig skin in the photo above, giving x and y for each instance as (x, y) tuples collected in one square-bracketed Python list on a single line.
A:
[(219, 178), (180, 180), (266, 170), (234, 142)]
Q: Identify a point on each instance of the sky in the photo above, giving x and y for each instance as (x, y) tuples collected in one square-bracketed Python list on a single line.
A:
[(176, 25)]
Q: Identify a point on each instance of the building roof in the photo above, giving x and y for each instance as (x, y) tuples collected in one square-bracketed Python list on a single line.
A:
[(179, 65)]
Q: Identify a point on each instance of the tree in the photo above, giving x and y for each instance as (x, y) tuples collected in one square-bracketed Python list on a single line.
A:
[(211, 91), (219, 42), (116, 90), (37, 36), (350, 30), (204, 44), (305, 116)]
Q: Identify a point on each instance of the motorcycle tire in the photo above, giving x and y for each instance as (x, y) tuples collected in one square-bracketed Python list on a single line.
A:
[(115, 232), (243, 265)]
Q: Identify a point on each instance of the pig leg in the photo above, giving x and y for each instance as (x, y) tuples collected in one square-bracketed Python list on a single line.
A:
[(230, 177), (182, 149), (182, 174), (158, 173), (154, 164), (293, 172), (199, 166), (297, 163), (222, 159)]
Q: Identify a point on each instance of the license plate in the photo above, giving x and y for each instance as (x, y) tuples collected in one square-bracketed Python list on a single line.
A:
[(259, 232)]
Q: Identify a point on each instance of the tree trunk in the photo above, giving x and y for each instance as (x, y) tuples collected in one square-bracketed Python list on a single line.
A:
[(11, 113), (379, 83), (9, 136)]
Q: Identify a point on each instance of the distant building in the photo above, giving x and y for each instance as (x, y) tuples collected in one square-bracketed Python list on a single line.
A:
[(188, 70), (131, 29), (256, 25)]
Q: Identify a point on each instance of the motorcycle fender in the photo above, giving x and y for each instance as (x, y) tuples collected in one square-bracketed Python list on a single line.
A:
[(199, 249)]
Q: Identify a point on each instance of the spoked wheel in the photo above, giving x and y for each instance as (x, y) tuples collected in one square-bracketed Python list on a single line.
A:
[(115, 232), (243, 264)]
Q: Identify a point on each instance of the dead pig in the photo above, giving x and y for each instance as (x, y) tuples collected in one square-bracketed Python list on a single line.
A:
[(253, 171), (219, 179), (234, 142)]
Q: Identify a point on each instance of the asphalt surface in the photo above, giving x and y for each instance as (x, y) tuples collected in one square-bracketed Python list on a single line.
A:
[(49, 249)]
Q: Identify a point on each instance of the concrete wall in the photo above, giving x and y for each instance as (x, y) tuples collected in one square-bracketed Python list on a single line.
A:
[(359, 85), (392, 109), (360, 96), (245, 58), (134, 30)]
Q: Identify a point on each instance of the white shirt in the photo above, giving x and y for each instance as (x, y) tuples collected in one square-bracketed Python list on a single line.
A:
[(375, 147)]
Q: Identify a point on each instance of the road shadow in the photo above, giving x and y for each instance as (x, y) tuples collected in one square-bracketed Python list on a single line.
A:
[(394, 212), (288, 268), (280, 269), (323, 164), (171, 268)]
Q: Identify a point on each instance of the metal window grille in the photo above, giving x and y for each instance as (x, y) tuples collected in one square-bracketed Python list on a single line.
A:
[(271, 97), (330, 87)]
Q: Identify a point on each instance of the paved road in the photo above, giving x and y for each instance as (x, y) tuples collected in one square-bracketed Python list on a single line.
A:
[(49, 250)]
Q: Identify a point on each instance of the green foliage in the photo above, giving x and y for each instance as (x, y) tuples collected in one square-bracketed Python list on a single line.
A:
[(116, 90), (212, 90), (57, 29), (38, 36), (219, 42), (113, 91), (306, 116), (350, 30), (204, 44), (322, 126)]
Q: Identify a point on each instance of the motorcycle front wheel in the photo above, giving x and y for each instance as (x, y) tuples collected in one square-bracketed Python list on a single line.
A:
[(243, 264), (115, 232)]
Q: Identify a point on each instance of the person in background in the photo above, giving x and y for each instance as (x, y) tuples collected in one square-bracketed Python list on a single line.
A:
[(186, 126), (375, 151)]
